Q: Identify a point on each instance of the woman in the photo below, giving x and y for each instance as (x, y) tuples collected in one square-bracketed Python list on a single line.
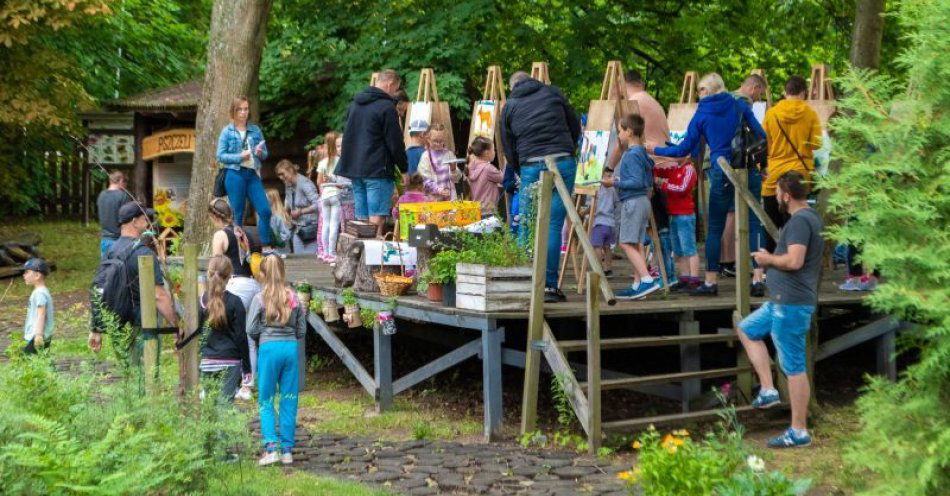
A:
[(224, 348), (332, 188), (277, 320), (794, 133), (301, 200), (436, 167), (231, 242), (240, 150), (717, 119)]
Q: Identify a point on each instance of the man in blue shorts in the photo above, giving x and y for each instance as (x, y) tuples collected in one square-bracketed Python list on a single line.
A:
[(792, 279)]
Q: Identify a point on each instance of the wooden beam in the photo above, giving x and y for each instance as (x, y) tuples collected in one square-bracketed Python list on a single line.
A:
[(649, 341), (676, 418), (188, 355), (532, 370), (440, 364), (743, 268), (383, 369), (742, 192), (674, 377), (346, 356), (593, 363), (563, 373), (151, 346), (690, 357), (860, 335)]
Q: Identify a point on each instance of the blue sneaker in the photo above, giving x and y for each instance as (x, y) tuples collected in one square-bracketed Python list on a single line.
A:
[(766, 399), (851, 284), (789, 439), (638, 291)]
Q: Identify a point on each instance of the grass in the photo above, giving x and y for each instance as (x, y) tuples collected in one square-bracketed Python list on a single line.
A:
[(247, 479), (74, 249)]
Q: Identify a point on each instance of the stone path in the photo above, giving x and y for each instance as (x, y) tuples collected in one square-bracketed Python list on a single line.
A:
[(441, 467)]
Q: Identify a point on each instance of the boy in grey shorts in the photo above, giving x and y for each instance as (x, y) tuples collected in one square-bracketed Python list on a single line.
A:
[(634, 180)]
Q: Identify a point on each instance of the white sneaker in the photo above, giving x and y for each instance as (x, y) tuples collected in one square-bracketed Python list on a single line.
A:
[(243, 394), (286, 458), (269, 458)]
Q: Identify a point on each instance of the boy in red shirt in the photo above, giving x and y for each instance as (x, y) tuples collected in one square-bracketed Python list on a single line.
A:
[(677, 180)]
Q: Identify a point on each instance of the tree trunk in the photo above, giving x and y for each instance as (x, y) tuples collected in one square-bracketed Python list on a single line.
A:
[(867, 33), (235, 44)]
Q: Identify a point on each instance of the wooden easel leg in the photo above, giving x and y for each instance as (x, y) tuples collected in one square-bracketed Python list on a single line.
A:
[(658, 252)]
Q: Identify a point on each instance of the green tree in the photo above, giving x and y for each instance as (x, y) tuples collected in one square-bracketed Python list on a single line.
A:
[(894, 191)]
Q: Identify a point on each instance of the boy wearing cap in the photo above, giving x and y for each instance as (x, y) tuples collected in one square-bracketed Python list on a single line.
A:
[(417, 145), (38, 328)]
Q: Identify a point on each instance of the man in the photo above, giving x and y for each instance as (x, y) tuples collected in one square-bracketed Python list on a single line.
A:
[(793, 290), (373, 148), (108, 204), (134, 221), (538, 121), (752, 89)]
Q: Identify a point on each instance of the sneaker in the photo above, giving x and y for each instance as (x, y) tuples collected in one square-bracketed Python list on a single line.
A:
[(790, 439), (680, 285), (705, 290), (554, 295), (851, 284), (638, 291), (269, 458), (243, 394), (728, 270), (758, 289), (654, 273), (563, 249), (286, 458), (766, 399), (867, 283)]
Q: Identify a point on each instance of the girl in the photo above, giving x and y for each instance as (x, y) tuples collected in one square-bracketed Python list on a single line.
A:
[(224, 349), (440, 177), (484, 177), (331, 191), (277, 321), (415, 193), (347, 210), (301, 200), (241, 150), (280, 222), (231, 242)]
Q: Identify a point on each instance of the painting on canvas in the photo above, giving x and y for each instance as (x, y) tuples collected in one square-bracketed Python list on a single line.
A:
[(593, 156), (484, 119)]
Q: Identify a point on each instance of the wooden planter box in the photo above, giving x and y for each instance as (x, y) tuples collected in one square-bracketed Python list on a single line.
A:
[(487, 288)]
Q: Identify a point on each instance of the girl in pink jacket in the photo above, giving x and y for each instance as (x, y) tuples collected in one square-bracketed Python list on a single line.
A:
[(484, 177)]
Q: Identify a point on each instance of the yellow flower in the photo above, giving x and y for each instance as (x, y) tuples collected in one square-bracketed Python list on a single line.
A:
[(629, 475), (636, 445), (681, 432), (169, 220)]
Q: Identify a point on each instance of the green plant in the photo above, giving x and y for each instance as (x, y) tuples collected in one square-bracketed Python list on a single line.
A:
[(421, 431), (303, 287), (348, 296), (368, 317), (562, 404), (757, 483), (498, 248), (316, 303), (441, 269)]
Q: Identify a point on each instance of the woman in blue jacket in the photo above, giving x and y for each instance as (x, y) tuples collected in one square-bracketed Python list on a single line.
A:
[(716, 120), (240, 150)]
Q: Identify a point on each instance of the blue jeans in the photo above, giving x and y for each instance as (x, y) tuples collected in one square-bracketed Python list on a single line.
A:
[(243, 185), (721, 202), (104, 245), (530, 173), (683, 232), (373, 196), (666, 248), (277, 365), (788, 325)]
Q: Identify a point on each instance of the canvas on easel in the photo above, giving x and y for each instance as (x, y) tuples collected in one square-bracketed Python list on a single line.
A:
[(678, 119), (486, 118), (438, 110)]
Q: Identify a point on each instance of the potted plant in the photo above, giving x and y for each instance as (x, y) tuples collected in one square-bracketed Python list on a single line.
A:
[(303, 289), (351, 309), (495, 272), (331, 312), (441, 271)]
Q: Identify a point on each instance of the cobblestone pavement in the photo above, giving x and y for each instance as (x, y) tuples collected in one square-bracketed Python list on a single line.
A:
[(441, 467)]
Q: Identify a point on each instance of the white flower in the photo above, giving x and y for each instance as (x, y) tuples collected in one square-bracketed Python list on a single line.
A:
[(755, 463)]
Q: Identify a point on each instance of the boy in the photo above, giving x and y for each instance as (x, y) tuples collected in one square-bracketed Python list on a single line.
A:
[(677, 181), (38, 329), (417, 145), (633, 181), (604, 233)]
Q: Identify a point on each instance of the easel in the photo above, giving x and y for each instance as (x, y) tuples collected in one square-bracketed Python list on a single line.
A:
[(372, 78), (678, 119), (821, 95), (539, 71), (494, 90), (428, 92)]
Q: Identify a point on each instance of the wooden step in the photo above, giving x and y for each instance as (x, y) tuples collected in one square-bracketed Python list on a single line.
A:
[(667, 378), (642, 342), (674, 418)]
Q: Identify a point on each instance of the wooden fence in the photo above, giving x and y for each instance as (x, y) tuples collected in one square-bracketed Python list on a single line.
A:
[(72, 186)]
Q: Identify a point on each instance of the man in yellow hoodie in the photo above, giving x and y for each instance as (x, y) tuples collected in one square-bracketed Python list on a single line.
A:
[(794, 133)]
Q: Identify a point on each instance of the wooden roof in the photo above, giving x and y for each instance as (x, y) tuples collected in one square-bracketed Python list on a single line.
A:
[(181, 97)]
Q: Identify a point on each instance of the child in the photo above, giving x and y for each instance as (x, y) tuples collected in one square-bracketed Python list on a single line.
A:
[(224, 349), (484, 177), (633, 181), (604, 233), (440, 177), (417, 145), (38, 328), (677, 180), (331, 193), (277, 321), (280, 222), (414, 193)]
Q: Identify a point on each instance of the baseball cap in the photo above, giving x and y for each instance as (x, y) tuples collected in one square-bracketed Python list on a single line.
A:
[(418, 126), (37, 265), (133, 209)]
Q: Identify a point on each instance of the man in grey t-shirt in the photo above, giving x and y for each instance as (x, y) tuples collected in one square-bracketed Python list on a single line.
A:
[(107, 204), (793, 289)]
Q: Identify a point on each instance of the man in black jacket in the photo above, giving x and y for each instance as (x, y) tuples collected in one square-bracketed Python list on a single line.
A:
[(538, 121), (372, 148)]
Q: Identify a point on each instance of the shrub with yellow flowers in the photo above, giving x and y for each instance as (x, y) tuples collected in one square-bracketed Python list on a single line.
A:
[(165, 211)]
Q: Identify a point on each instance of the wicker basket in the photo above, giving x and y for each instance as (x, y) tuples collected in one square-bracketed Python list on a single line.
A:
[(392, 284)]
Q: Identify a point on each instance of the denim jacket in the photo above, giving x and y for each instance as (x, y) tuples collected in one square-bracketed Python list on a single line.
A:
[(230, 146)]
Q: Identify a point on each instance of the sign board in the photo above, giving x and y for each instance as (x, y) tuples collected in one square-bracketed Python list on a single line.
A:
[(111, 149), (376, 252), (168, 143)]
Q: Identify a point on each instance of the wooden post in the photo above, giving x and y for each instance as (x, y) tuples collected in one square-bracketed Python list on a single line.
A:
[(188, 356), (886, 362), (658, 250), (383, 369), (690, 358), (492, 338), (593, 362), (151, 345), (743, 279), (86, 193), (532, 368)]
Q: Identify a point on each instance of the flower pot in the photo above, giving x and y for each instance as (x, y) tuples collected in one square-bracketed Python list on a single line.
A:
[(434, 292), (331, 312), (304, 299), (351, 315), (448, 294)]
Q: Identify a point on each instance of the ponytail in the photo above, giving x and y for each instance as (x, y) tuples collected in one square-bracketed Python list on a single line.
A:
[(274, 293), (219, 271)]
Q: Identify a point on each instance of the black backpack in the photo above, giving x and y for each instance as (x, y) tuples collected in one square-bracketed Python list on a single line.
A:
[(111, 292), (748, 149)]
